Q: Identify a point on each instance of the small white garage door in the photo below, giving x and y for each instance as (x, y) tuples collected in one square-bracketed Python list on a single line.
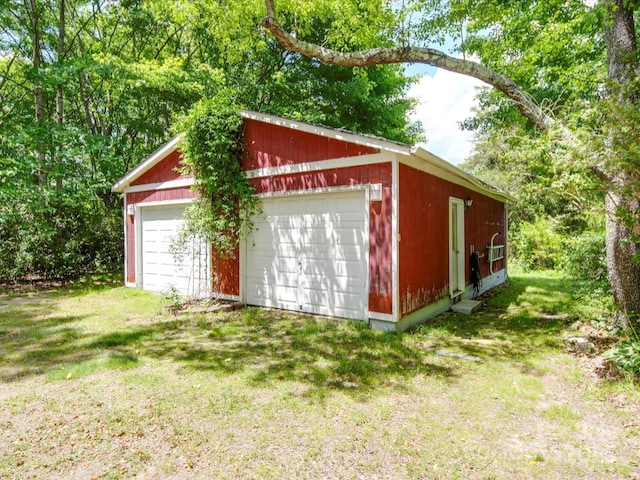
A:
[(159, 270), (309, 253)]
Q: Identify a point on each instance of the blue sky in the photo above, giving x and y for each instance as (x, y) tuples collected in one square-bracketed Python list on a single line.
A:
[(445, 100)]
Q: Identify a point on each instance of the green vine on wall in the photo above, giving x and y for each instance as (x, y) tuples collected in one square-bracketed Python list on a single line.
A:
[(211, 150)]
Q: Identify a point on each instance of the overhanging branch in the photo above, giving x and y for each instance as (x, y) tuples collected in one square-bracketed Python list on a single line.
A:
[(381, 56)]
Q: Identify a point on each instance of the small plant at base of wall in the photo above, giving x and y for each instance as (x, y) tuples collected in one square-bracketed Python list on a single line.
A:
[(625, 356)]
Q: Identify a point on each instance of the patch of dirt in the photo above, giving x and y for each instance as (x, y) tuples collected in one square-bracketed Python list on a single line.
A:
[(589, 343), (196, 305), (8, 302)]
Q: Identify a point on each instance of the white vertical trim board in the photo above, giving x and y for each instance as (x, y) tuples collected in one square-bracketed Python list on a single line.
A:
[(367, 248), (395, 239), (137, 228), (457, 262), (124, 228)]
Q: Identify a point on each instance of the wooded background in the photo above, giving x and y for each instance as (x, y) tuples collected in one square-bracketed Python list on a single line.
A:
[(90, 88)]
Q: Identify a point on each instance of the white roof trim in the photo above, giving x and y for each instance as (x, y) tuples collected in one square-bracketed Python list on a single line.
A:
[(350, 137), (438, 163), (449, 172), (463, 178), (150, 162)]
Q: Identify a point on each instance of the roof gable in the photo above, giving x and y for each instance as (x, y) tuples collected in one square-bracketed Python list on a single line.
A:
[(414, 155), (151, 161), (333, 133)]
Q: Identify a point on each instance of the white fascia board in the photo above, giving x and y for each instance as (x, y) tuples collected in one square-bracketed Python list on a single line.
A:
[(426, 161), (350, 137), (164, 203), (146, 187), (334, 163), (151, 161), (315, 191)]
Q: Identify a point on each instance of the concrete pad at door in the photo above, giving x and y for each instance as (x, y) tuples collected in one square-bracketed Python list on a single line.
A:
[(466, 306)]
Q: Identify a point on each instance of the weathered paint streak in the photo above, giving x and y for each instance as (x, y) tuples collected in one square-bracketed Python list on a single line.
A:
[(424, 234), (415, 300), (266, 145)]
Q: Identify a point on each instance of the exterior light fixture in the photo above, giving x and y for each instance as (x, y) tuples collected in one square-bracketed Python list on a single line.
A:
[(468, 202)]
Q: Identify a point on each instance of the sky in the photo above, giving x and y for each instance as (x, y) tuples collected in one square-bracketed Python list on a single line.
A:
[(446, 99)]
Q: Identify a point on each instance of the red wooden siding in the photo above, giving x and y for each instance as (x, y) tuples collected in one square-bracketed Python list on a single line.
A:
[(424, 235), (226, 274), (226, 271), (267, 145), (380, 286), (166, 195), (166, 170)]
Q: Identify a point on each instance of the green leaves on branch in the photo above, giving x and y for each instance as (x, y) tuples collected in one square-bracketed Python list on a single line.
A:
[(212, 147)]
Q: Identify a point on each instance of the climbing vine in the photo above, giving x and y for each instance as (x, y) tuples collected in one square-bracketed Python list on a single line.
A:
[(211, 150)]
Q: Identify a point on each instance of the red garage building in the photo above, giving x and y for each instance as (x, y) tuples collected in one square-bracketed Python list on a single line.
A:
[(352, 226)]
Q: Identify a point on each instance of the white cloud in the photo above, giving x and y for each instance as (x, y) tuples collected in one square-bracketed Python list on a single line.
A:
[(446, 99)]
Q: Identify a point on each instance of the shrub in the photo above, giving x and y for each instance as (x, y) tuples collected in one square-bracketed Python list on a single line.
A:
[(537, 245), (211, 150), (625, 356), (53, 235), (586, 256)]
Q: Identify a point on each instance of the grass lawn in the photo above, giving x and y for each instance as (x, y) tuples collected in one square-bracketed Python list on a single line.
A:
[(97, 381)]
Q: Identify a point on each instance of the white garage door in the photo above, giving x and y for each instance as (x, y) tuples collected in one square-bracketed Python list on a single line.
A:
[(160, 271), (309, 254)]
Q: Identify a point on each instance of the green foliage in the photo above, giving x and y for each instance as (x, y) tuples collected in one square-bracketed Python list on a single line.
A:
[(211, 150), (625, 356), (537, 245), (547, 243), (585, 255), (51, 234), (173, 302), (127, 72), (553, 50), (610, 130)]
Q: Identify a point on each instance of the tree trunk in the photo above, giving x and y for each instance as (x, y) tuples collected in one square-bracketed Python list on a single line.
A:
[(622, 246), (34, 17), (624, 269), (59, 89)]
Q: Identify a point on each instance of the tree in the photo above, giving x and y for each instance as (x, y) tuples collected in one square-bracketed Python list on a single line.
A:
[(620, 183), (622, 201), (90, 88)]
